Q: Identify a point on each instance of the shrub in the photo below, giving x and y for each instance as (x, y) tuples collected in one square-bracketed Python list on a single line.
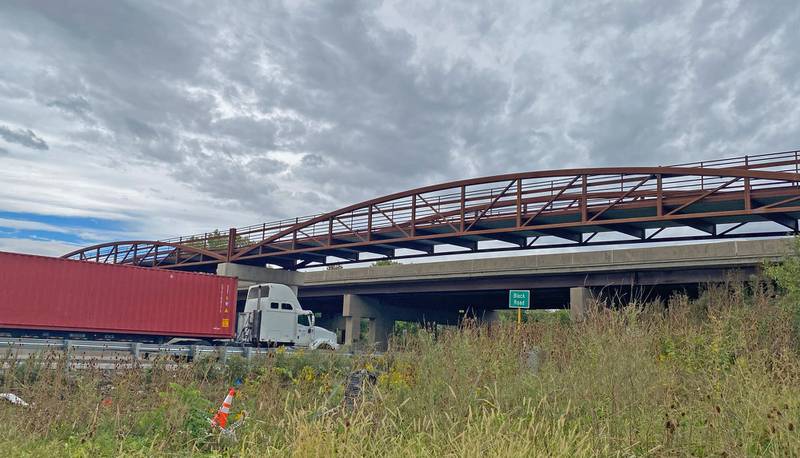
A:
[(786, 275)]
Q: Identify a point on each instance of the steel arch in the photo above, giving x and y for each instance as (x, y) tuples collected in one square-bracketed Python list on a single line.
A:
[(146, 253), (572, 205)]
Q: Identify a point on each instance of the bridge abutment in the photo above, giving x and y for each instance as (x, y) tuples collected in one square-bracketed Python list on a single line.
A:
[(251, 275)]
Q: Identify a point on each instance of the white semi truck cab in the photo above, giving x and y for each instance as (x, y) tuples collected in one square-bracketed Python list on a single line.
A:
[(273, 316)]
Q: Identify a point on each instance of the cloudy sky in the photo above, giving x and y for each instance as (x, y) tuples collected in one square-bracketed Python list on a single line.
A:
[(123, 120)]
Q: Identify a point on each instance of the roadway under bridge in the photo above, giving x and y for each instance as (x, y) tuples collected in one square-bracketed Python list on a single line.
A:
[(443, 292)]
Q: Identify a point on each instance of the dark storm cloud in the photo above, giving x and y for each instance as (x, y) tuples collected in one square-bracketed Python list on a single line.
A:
[(300, 107), (24, 137)]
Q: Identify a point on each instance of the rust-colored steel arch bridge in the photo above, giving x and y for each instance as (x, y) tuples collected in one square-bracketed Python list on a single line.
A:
[(542, 209)]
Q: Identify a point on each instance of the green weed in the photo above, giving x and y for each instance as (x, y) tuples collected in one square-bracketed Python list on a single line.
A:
[(709, 377)]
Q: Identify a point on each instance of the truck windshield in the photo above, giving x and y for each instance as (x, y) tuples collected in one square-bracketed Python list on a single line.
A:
[(304, 320)]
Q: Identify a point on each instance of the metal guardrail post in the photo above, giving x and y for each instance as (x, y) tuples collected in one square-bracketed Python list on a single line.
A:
[(194, 351), (67, 350), (248, 353), (136, 349), (223, 357)]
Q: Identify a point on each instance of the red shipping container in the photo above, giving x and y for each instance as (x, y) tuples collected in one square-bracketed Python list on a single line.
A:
[(42, 293)]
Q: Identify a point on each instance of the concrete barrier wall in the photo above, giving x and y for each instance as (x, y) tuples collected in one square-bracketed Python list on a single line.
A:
[(728, 253)]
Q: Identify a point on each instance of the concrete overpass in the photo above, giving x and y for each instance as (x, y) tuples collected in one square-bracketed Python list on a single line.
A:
[(438, 291)]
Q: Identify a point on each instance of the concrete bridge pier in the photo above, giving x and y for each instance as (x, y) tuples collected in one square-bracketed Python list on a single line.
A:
[(579, 299), (356, 307), (382, 314), (489, 316)]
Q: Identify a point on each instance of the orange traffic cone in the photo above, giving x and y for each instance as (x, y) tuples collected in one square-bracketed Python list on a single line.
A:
[(221, 417)]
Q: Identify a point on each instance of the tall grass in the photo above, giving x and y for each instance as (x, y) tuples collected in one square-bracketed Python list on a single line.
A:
[(714, 376)]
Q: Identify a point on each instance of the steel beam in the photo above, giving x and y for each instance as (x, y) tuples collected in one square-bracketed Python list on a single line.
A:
[(510, 238), (519, 240), (626, 229), (782, 219), (351, 255), (700, 225), (472, 245), (376, 249), (416, 246), (451, 240), (562, 234)]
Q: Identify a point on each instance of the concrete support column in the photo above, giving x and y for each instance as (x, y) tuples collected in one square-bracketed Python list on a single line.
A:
[(380, 330), (352, 329), (579, 298), (335, 323), (372, 335), (382, 315), (355, 307), (490, 316)]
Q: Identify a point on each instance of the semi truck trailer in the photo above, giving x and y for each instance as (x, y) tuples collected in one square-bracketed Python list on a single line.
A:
[(53, 297)]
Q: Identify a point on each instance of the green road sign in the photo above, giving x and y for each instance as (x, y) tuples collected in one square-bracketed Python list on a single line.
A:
[(519, 299)]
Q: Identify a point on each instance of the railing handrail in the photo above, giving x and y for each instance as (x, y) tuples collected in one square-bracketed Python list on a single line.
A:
[(749, 161)]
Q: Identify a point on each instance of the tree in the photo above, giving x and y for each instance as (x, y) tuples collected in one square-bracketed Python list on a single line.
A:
[(215, 241)]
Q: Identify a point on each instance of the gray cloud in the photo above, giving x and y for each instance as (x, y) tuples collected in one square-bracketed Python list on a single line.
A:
[(312, 160), (24, 137), (285, 108), (76, 105)]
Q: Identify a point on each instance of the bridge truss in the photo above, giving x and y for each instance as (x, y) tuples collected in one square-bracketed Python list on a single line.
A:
[(544, 209)]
